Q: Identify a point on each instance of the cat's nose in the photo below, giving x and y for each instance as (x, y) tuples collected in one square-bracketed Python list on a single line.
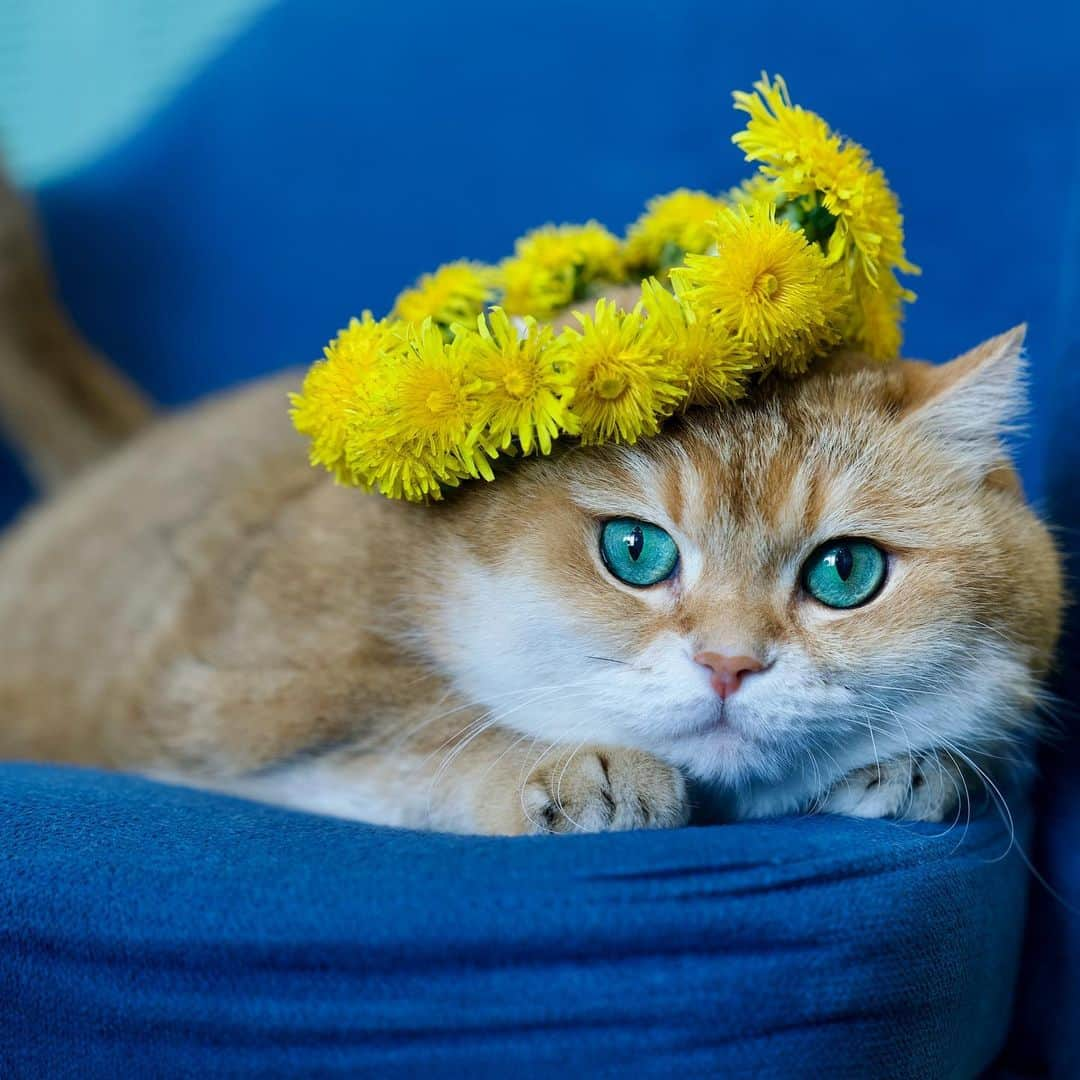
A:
[(728, 672)]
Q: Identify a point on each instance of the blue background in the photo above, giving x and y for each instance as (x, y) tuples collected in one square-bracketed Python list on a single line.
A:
[(331, 152), (334, 151)]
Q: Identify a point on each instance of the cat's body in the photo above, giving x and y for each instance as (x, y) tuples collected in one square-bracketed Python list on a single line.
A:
[(205, 607)]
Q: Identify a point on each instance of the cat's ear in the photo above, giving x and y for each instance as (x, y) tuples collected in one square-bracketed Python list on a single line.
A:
[(971, 403)]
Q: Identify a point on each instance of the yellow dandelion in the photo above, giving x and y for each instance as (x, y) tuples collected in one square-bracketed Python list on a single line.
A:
[(456, 292), (756, 189), (599, 252), (337, 387), (555, 264), (672, 225), (623, 384), (787, 139), (797, 149), (714, 364), (415, 438), (767, 285), (530, 289), (524, 395), (876, 316)]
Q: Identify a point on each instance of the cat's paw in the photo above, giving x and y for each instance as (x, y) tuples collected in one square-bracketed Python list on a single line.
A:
[(604, 789), (911, 789)]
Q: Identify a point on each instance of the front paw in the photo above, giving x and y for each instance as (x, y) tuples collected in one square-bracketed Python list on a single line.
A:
[(911, 789), (604, 789)]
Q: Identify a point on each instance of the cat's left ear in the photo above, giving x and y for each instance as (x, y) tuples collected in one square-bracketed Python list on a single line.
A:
[(971, 403)]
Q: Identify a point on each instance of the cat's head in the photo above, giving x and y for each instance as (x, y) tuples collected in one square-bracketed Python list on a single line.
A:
[(840, 567)]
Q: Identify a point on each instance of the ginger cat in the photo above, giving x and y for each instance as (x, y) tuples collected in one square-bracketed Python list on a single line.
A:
[(830, 596)]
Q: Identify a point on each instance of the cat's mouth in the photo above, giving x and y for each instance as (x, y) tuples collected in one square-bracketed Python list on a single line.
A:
[(719, 721)]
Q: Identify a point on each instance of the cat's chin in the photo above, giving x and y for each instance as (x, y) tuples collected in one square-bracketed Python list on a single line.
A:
[(714, 750), (720, 721)]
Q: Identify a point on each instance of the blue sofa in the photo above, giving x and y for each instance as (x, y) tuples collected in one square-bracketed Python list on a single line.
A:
[(326, 157)]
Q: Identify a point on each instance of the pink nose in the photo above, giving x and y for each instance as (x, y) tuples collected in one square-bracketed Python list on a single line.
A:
[(728, 672)]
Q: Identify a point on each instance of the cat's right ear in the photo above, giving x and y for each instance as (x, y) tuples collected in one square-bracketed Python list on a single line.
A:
[(971, 403)]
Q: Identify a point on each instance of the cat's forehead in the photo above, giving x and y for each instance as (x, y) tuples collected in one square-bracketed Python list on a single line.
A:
[(787, 464)]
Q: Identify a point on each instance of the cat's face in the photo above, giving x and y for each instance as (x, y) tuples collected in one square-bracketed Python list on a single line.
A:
[(596, 597)]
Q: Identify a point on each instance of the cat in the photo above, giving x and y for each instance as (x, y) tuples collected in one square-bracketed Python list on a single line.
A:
[(203, 607)]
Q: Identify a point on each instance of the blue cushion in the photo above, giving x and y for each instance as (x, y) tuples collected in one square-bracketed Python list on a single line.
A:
[(162, 931)]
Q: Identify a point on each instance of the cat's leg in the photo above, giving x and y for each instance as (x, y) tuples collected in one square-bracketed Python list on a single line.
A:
[(389, 743), (495, 782), (922, 787), (600, 789)]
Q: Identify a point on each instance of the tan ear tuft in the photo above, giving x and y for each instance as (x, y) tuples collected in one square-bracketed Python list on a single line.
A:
[(971, 403)]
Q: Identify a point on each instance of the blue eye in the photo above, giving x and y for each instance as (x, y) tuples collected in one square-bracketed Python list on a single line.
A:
[(638, 553), (845, 573)]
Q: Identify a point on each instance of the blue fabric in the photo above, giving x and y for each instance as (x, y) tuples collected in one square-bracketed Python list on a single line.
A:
[(165, 932), (1047, 1036), (328, 156)]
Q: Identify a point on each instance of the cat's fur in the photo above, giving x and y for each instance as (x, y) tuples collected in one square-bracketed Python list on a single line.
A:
[(205, 607), (58, 397)]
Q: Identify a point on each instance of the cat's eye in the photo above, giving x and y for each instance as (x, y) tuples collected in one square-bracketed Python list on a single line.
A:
[(845, 573), (638, 553)]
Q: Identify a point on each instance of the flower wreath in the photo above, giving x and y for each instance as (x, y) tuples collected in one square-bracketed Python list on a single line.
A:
[(466, 369)]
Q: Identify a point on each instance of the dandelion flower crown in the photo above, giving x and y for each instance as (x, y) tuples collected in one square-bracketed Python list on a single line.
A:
[(799, 259)]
